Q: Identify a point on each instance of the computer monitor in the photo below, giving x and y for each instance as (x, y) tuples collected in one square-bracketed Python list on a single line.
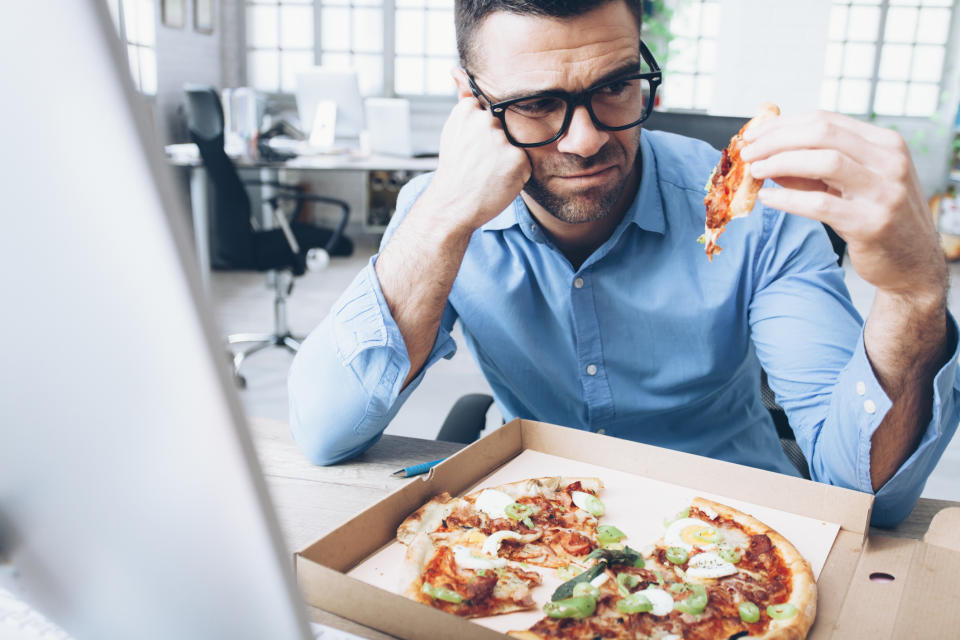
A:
[(335, 85), (131, 502)]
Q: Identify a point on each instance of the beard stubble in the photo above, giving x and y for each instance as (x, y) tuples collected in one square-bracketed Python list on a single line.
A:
[(588, 205)]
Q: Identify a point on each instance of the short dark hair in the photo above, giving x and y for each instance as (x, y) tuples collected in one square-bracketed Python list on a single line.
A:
[(470, 13)]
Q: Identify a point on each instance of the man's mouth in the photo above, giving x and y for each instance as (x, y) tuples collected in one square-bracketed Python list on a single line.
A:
[(589, 177)]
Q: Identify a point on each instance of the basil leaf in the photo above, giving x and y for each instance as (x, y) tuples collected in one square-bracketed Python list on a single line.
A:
[(566, 589)]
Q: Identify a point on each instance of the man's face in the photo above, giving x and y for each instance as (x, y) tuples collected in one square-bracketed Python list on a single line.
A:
[(581, 176)]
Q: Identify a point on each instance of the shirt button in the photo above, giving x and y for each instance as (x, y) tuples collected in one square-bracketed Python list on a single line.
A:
[(861, 388), (591, 369), (601, 431), (869, 406), (578, 283), (533, 228)]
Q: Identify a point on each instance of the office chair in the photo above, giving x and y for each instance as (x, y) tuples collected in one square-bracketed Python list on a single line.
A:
[(285, 252)]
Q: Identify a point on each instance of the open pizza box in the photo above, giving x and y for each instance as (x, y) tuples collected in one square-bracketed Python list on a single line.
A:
[(869, 587)]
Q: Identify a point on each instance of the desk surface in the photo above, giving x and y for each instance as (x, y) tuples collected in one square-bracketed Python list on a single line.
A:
[(311, 500), (183, 156)]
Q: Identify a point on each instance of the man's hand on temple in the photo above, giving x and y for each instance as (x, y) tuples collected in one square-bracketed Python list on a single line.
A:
[(479, 172), (860, 179)]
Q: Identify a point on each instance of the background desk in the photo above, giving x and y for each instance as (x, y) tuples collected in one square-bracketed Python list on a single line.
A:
[(311, 500), (268, 171)]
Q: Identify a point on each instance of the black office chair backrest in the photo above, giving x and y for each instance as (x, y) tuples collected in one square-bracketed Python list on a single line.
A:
[(232, 237)]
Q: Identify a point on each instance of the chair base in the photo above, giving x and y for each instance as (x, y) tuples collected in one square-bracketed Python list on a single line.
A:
[(281, 337), (259, 342)]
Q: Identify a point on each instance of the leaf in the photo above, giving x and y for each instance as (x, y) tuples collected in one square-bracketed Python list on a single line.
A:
[(565, 590)]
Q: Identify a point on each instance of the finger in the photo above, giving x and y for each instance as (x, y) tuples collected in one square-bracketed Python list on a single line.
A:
[(833, 168), (818, 205), (813, 119), (815, 135), (801, 184)]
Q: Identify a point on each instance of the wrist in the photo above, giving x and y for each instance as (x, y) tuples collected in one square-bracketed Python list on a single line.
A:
[(446, 214), (921, 301)]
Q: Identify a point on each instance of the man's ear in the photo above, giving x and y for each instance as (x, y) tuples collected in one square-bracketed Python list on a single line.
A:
[(463, 84)]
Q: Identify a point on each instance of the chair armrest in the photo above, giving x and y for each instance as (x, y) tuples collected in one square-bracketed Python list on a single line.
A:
[(301, 197), (274, 184)]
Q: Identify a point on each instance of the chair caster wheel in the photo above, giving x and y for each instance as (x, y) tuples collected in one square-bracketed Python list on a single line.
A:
[(240, 381)]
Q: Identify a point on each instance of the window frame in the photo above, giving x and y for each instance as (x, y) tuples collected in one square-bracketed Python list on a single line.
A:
[(698, 74), (117, 10), (877, 43), (388, 55)]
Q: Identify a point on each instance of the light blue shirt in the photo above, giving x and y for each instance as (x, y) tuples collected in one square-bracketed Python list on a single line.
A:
[(647, 340)]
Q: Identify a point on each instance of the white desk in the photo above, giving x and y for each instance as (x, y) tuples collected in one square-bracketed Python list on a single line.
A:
[(187, 157)]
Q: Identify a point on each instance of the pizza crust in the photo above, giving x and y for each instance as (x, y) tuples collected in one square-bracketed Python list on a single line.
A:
[(425, 519), (544, 487), (803, 588)]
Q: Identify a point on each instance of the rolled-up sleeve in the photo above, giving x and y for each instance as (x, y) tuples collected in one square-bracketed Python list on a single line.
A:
[(859, 400), (809, 339), (346, 381)]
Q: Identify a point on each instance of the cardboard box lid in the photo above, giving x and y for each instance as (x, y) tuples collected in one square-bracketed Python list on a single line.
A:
[(906, 588)]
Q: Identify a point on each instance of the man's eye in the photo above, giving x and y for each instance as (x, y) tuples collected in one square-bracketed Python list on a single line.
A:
[(617, 88), (537, 106)]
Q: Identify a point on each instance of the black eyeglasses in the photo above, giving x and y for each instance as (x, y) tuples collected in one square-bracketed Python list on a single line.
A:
[(613, 105)]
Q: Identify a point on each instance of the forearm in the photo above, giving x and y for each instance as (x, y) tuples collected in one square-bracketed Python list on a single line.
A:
[(416, 271), (329, 404), (906, 343)]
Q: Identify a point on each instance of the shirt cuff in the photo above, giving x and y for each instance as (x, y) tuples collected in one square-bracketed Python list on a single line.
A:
[(866, 404), (897, 497), (369, 342)]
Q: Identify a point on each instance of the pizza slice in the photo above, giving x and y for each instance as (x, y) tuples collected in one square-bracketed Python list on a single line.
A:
[(458, 580), (716, 573), (469, 555), (731, 190), (561, 513)]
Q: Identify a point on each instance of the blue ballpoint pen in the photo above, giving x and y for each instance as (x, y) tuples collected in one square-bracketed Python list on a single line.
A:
[(417, 469)]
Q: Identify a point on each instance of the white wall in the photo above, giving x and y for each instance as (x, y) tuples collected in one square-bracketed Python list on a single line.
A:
[(184, 56), (770, 50)]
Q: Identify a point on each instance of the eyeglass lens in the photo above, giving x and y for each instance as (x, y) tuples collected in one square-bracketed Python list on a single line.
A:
[(540, 118)]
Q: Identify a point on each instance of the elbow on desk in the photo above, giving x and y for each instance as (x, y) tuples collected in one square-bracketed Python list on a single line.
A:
[(325, 428), (324, 425), (322, 443)]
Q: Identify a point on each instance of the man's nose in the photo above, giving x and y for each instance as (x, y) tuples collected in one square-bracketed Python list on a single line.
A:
[(582, 137)]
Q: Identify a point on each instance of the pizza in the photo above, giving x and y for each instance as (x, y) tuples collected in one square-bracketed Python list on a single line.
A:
[(716, 572), (731, 190), (470, 555)]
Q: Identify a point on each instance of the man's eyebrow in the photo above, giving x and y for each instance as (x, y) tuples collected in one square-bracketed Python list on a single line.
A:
[(622, 70)]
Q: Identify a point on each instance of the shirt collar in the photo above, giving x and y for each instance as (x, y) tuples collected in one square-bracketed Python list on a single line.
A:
[(646, 210), (506, 218)]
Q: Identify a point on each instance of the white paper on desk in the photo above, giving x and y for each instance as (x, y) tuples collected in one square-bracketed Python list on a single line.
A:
[(634, 504)]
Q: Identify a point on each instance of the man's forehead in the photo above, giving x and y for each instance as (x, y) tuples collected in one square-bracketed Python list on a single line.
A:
[(514, 52)]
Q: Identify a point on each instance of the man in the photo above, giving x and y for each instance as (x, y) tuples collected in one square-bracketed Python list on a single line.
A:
[(564, 241)]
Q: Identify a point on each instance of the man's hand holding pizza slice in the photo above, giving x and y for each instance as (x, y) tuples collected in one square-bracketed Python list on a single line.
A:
[(860, 179)]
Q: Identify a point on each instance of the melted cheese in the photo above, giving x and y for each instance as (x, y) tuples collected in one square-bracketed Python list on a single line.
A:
[(469, 559), (493, 503), (661, 600), (492, 544)]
